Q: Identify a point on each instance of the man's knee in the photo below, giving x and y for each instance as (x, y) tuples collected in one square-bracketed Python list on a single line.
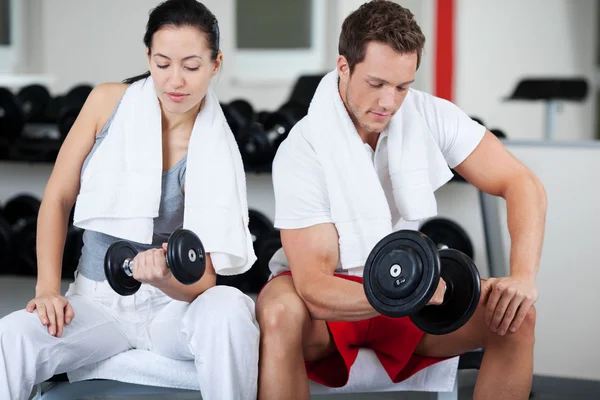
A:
[(285, 314), (525, 333), (528, 325)]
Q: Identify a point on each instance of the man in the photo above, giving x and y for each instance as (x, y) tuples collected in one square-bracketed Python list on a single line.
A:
[(314, 316)]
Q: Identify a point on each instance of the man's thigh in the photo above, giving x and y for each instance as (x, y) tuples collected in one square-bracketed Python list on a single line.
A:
[(280, 306), (469, 337)]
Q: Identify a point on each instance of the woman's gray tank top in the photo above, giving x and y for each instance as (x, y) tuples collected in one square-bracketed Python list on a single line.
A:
[(170, 217)]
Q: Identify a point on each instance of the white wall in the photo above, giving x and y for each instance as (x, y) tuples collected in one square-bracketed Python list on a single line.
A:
[(500, 42), (97, 41), (567, 340)]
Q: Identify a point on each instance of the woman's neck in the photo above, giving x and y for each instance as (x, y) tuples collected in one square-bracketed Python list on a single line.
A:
[(176, 121)]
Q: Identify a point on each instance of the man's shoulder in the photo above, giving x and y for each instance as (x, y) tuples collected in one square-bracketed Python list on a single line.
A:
[(295, 152), (295, 141), (432, 108), (426, 100)]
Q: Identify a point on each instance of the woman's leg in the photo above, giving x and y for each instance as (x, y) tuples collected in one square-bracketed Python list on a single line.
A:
[(29, 355), (219, 332)]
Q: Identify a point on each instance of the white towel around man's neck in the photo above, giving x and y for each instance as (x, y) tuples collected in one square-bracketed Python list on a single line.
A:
[(121, 186), (359, 207)]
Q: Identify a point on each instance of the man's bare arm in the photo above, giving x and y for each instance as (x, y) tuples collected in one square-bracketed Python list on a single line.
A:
[(313, 255)]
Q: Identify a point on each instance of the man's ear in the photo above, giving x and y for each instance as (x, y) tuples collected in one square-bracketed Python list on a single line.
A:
[(343, 68)]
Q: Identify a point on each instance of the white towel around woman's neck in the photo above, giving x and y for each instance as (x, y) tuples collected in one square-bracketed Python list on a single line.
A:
[(359, 207), (121, 186)]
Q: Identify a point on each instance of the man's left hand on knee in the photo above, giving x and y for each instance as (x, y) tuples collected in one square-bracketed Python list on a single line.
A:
[(508, 302)]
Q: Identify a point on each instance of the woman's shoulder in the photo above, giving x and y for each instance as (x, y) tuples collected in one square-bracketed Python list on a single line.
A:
[(109, 92), (105, 98)]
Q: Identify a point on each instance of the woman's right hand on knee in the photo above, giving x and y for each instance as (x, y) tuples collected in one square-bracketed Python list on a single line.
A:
[(54, 311)]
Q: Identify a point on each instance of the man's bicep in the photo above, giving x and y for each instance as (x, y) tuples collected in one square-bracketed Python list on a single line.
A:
[(491, 167), (311, 252)]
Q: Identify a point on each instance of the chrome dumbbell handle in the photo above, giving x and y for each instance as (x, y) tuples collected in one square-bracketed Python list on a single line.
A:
[(128, 267)]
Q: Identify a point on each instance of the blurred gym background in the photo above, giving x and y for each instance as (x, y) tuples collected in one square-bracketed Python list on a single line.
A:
[(527, 70)]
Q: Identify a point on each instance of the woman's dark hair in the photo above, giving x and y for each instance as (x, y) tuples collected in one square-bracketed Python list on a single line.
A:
[(180, 13)]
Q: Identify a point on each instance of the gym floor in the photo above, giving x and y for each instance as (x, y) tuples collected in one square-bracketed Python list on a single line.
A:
[(15, 292)]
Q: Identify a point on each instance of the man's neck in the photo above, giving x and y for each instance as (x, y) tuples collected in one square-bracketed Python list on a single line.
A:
[(369, 138)]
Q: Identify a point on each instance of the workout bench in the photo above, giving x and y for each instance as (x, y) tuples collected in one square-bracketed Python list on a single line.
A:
[(59, 388)]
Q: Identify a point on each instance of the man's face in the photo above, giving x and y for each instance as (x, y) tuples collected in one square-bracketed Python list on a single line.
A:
[(377, 87)]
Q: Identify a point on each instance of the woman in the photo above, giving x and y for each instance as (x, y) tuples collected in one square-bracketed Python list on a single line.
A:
[(215, 326)]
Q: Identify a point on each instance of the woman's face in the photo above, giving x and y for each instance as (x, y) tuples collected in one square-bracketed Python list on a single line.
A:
[(181, 67)]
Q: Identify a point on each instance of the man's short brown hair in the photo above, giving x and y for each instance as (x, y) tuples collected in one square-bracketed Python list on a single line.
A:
[(381, 21)]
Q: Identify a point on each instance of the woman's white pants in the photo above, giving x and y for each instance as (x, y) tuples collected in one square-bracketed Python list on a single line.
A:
[(218, 331)]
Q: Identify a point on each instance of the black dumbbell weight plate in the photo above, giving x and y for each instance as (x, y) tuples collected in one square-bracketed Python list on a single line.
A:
[(254, 145), (186, 256), (34, 101), (233, 118), (401, 273), (71, 105), (11, 118), (445, 232), (244, 108), (116, 255), (262, 116), (258, 225), (278, 125), (20, 207), (23, 246), (461, 297)]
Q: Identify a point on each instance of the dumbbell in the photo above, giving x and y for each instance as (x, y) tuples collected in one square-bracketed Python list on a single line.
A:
[(53, 111), (238, 113), (447, 234), (21, 214), (40, 140), (11, 117), (262, 116), (258, 146), (185, 258), (264, 237), (254, 145), (34, 101), (402, 273), (70, 106)]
